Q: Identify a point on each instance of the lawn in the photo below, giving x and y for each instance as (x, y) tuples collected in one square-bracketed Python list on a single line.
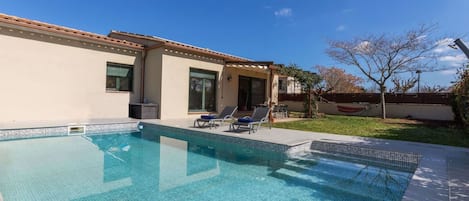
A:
[(396, 129)]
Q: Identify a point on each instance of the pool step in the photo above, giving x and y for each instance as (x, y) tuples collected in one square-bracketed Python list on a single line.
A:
[(346, 170), (320, 186), (363, 174), (328, 175)]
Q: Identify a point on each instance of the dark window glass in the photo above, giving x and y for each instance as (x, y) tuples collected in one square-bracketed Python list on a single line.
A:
[(119, 77), (202, 90)]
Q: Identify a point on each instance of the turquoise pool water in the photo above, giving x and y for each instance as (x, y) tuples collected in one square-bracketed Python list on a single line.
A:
[(153, 165)]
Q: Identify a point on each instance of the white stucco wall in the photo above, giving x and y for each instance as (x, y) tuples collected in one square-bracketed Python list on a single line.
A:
[(291, 85), (175, 83), (153, 67), (172, 91), (46, 78)]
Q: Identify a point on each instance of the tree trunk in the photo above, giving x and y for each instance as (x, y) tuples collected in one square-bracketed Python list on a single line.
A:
[(310, 108), (383, 102), (316, 106)]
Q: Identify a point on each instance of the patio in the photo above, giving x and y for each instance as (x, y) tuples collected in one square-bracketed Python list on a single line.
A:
[(443, 172)]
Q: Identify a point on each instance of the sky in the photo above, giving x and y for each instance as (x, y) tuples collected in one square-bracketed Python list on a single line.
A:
[(283, 31)]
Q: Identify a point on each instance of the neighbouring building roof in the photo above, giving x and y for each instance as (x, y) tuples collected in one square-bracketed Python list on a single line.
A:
[(55, 29), (160, 42)]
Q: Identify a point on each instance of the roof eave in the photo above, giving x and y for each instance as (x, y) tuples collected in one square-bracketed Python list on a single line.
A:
[(45, 28), (181, 46)]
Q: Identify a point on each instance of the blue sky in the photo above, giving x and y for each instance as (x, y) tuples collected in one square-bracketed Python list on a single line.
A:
[(284, 31)]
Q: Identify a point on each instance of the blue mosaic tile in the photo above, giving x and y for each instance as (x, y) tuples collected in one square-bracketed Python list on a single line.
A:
[(267, 146), (390, 158), (13, 134)]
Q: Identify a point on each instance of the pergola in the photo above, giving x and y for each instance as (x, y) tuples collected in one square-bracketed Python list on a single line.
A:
[(267, 67)]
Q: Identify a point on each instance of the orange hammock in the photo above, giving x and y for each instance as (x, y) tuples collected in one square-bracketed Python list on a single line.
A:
[(350, 109)]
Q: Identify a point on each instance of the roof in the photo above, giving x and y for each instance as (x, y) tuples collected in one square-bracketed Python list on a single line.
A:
[(260, 66), (179, 45), (32, 24)]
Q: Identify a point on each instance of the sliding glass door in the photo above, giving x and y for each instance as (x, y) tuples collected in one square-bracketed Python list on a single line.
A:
[(251, 91)]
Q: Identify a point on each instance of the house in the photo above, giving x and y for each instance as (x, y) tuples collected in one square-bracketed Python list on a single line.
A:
[(55, 73), (289, 85), (187, 80)]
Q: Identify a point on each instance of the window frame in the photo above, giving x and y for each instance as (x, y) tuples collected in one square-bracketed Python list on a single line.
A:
[(215, 93), (130, 77)]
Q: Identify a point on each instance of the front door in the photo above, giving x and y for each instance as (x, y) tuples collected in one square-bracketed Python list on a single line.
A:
[(251, 91)]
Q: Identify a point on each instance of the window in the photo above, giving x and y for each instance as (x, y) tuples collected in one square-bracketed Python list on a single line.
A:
[(119, 77), (282, 85), (202, 90)]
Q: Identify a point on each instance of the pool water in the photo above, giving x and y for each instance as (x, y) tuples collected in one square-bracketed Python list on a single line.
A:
[(149, 165)]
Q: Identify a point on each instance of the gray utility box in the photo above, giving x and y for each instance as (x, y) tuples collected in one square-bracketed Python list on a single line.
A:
[(143, 110)]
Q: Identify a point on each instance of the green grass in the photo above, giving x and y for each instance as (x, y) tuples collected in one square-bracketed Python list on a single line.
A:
[(396, 129)]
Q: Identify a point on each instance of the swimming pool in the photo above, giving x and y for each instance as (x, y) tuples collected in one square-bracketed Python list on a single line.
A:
[(158, 164)]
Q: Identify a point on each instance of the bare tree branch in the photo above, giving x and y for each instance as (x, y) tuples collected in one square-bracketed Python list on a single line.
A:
[(380, 57)]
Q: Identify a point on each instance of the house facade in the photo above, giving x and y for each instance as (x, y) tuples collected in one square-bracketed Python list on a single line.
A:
[(187, 80), (289, 85), (54, 73)]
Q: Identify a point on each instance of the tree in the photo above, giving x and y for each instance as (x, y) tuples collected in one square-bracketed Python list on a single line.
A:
[(338, 81), (403, 85), (380, 57), (461, 90), (309, 81)]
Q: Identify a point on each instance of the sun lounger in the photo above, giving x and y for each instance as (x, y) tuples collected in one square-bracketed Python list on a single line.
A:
[(259, 116), (212, 120)]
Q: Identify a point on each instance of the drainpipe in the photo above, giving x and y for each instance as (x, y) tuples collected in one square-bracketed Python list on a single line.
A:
[(142, 74), (271, 118)]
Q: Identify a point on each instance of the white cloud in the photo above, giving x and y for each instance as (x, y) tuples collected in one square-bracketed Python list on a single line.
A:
[(453, 60), (456, 58), (449, 72), (422, 37), (284, 12), (449, 56), (341, 28), (442, 45)]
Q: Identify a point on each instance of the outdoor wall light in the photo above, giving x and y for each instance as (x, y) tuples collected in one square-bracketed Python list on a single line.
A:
[(229, 77)]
